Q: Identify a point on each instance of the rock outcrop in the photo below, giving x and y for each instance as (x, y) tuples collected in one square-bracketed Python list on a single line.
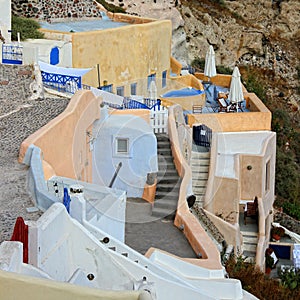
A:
[(55, 9)]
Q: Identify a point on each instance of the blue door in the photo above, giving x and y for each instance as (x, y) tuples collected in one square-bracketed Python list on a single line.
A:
[(54, 56)]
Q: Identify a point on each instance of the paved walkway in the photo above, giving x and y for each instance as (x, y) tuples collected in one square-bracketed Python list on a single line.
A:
[(14, 197), (143, 231)]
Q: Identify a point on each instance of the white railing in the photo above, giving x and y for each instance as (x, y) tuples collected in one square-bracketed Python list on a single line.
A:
[(159, 120)]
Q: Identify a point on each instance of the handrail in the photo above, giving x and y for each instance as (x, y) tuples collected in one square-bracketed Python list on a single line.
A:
[(115, 175)]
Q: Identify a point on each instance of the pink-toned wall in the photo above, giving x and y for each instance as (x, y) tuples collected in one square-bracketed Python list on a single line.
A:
[(63, 140), (196, 235), (142, 113)]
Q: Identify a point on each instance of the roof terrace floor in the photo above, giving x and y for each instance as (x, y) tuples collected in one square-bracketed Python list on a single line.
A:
[(143, 231)]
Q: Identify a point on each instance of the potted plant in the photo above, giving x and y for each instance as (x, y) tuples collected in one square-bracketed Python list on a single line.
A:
[(277, 233), (269, 264), (269, 260)]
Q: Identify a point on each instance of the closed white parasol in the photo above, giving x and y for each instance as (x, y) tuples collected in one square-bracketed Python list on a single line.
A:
[(210, 63)]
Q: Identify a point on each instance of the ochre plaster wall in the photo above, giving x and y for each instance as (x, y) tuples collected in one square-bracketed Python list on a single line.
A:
[(251, 179), (63, 140), (175, 66), (142, 113), (226, 198), (116, 51), (118, 17), (233, 122), (186, 102), (220, 79)]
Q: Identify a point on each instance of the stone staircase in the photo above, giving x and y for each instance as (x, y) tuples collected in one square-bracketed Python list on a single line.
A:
[(200, 161), (250, 240), (168, 180)]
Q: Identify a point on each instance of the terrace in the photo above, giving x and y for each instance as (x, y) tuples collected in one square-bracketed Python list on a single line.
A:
[(250, 114)]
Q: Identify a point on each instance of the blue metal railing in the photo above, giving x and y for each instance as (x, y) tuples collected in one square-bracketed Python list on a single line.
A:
[(62, 83), (151, 104), (12, 54)]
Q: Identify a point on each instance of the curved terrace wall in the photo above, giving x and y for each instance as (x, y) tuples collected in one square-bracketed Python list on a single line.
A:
[(64, 141), (196, 235)]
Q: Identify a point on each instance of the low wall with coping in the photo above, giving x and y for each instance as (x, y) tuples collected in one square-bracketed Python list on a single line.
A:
[(36, 183), (258, 118), (64, 139), (196, 235), (175, 66), (19, 287)]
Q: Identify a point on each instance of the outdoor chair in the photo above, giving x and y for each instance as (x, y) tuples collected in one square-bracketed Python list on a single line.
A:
[(223, 105), (197, 109)]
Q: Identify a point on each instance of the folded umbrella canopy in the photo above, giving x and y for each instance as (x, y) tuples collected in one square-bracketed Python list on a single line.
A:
[(210, 63), (236, 91)]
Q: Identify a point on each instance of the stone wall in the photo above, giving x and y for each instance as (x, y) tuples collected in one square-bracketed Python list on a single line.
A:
[(287, 221), (14, 84), (55, 9)]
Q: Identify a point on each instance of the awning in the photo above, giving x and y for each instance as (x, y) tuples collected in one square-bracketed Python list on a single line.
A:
[(75, 72)]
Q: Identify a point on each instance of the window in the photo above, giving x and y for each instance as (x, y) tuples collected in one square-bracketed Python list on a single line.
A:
[(267, 182), (164, 79), (151, 78), (107, 88), (122, 146), (133, 88), (120, 91)]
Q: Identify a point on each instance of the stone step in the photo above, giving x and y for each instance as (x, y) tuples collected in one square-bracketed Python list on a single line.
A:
[(165, 158), (163, 145), (161, 136), (166, 165), (200, 155), (198, 191), (168, 179), (199, 176), (249, 248), (165, 187), (198, 164), (250, 240), (168, 203), (174, 194), (200, 198), (164, 151), (200, 183), (167, 172), (200, 168), (249, 233), (163, 213)]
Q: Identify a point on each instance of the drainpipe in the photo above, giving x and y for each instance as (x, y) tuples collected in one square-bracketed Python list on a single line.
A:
[(115, 175)]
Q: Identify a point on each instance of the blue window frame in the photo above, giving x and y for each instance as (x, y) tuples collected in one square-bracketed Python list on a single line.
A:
[(107, 88), (133, 88), (151, 78), (164, 79), (120, 91)]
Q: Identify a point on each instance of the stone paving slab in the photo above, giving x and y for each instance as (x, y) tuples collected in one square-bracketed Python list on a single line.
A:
[(143, 231)]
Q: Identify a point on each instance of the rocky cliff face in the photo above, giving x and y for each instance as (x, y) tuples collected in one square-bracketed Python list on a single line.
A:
[(55, 9)]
